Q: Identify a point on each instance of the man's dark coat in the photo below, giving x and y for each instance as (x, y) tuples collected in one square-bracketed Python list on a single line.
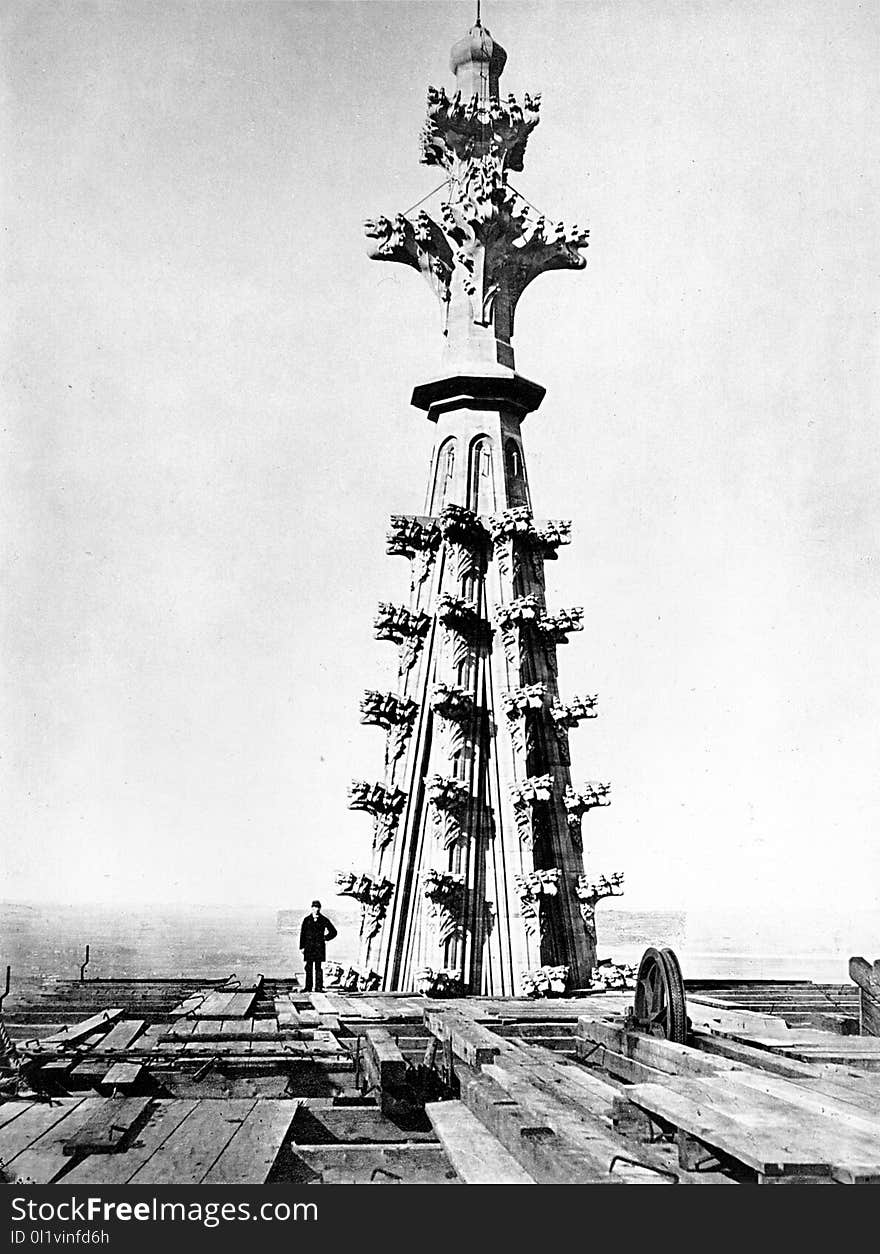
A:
[(312, 937)]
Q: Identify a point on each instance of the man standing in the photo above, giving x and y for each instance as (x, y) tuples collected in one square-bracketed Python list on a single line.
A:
[(315, 931)]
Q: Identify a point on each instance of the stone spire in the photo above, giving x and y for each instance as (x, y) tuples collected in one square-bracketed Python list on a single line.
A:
[(477, 878)]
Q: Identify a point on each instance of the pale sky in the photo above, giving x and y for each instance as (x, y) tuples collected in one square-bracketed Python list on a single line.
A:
[(206, 425)]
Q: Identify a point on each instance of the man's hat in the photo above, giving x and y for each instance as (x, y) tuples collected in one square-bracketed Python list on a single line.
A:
[(317, 903)]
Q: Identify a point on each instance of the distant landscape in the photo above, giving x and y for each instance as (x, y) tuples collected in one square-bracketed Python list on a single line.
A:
[(40, 940)]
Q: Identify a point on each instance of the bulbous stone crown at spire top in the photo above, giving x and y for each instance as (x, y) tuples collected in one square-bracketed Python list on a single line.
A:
[(477, 62)]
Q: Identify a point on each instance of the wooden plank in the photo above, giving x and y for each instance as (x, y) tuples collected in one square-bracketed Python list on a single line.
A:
[(251, 1154), (472, 1042), (101, 1022), (194, 1146), (124, 1076), (57, 1069), (384, 1064), (121, 1036), (767, 1134), (322, 1003), (813, 1100), (11, 1109), (45, 1158), (264, 1029), (32, 1123), (226, 1006), (653, 1051), (548, 1156), (713, 1019), (119, 1168), (476, 1155), (372, 1164), (189, 1004), (110, 1128)]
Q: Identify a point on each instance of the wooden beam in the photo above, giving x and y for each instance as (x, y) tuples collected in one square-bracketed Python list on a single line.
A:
[(474, 1152), (101, 1022), (124, 1077), (653, 1051), (548, 1155), (110, 1128), (867, 978), (471, 1042), (120, 1036)]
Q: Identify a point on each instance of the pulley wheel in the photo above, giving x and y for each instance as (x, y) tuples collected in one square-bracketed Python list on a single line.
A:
[(660, 1008)]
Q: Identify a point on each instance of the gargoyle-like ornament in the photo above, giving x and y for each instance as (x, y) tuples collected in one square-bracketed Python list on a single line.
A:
[(536, 788), (414, 538), (522, 706), (486, 244), (444, 890), (404, 628), (567, 715), (578, 803), (590, 892), (396, 714), (374, 898), (449, 800), (545, 981), (385, 805), (530, 888)]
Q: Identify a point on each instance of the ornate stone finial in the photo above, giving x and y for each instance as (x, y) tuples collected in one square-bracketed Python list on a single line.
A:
[(486, 244)]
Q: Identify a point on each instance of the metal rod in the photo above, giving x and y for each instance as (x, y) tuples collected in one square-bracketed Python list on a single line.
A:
[(82, 970), (5, 992)]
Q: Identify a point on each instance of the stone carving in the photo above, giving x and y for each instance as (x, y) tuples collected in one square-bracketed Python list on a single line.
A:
[(374, 898), (354, 981), (449, 800), (466, 540), (387, 709), (405, 628), (526, 609), (384, 803), (589, 893), (530, 888), (444, 890), (536, 788), (486, 244), (431, 983), (518, 539), (452, 702), (566, 715), (456, 130), (521, 705), (416, 539), (396, 714), (545, 981), (458, 614), (409, 535), (397, 623), (557, 627), (577, 804)]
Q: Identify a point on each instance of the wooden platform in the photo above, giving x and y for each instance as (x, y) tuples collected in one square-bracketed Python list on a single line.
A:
[(151, 1082)]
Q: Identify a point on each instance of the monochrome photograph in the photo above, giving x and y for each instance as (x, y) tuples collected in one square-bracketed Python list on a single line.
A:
[(441, 620)]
